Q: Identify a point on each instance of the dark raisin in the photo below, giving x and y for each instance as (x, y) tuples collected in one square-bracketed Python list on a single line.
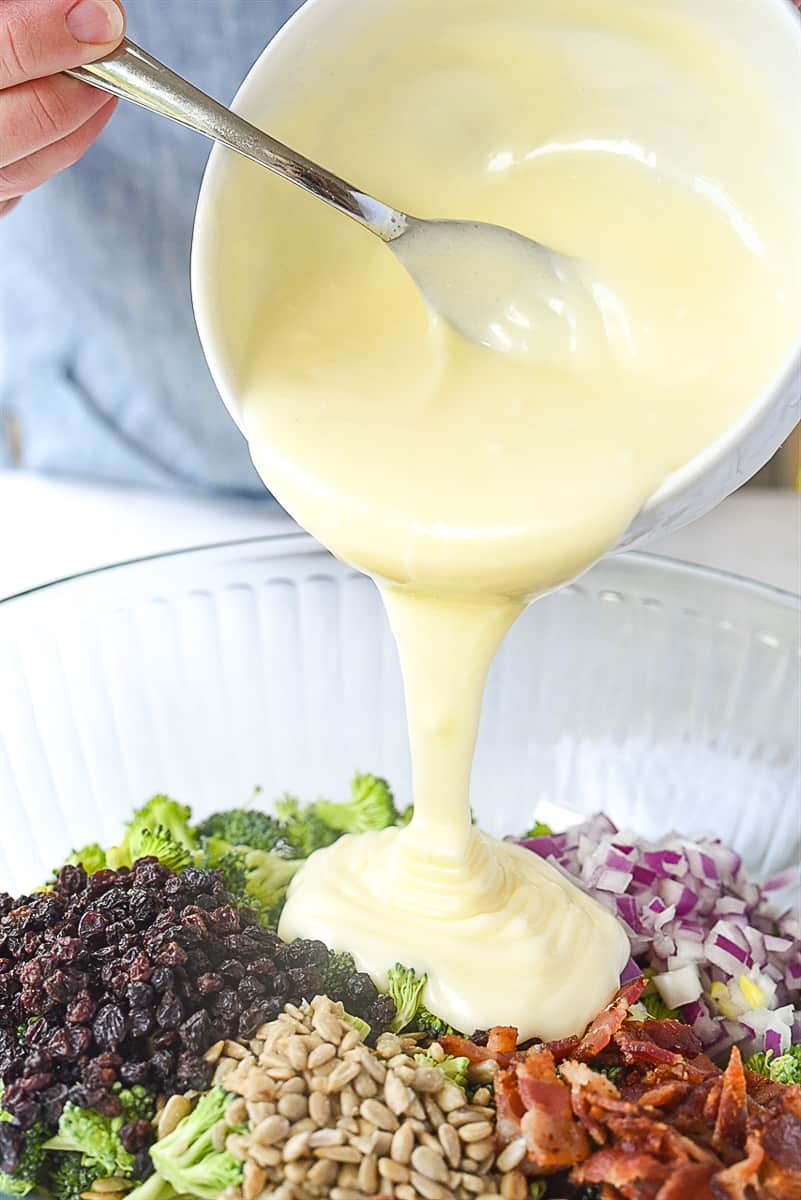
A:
[(81, 1009), (169, 1013), (192, 1073), (208, 983), (109, 1027), (134, 1073), (143, 1166), (197, 1033), (136, 1136), (141, 1022)]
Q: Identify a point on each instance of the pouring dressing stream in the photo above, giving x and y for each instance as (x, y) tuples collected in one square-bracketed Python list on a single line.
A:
[(466, 481)]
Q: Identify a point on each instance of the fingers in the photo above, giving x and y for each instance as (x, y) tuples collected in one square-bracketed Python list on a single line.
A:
[(28, 173), (7, 205), (40, 37), (36, 114)]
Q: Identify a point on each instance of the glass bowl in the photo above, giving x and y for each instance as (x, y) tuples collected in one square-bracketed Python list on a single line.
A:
[(665, 694)]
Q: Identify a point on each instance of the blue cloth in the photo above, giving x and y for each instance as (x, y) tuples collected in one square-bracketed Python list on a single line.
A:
[(101, 371)]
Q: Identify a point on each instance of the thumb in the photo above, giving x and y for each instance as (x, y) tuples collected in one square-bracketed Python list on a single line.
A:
[(41, 37)]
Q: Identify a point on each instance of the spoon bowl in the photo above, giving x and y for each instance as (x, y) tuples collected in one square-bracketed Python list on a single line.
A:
[(493, 286), (501, 290)]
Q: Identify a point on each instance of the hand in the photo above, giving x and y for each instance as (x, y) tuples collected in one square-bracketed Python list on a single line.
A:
[(47, 120)]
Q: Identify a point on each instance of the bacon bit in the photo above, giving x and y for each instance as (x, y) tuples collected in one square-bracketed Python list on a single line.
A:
[(690, 1182), (730, 1122), (589, 1091), (461, 1047), (637, 1047), (607, 1023), (782, 1142), (672, 1035), (735, 1182), (509, 1107), (566, 1048), (665, 1095), (554, 1138), (502, 1040), (620, 1168)]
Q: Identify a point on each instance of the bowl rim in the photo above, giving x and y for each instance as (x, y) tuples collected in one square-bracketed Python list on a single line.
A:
[(661, 562)]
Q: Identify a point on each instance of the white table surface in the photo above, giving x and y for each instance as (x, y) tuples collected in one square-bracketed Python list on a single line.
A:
[(50, 528)]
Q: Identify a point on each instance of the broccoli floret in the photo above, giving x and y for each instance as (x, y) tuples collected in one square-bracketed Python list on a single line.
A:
[(406, 989), (67, 1176), (453, 1068), (538, 829), (361, 1027), (371, 807), (22, 1156), (255, 878), (155, 1188), (304, 830), (84, 1131), (138, 1104), (92, 858), (787, 1067), (157, 843), (175, 818), (784, 1069), (341, 967), (431, 1025), (244, 827), (186, 1159)]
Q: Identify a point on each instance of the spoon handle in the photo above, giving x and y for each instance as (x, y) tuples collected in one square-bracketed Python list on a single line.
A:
[(132, 74)]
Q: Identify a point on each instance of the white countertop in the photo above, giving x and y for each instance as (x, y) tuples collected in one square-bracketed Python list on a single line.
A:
[(50, 528)]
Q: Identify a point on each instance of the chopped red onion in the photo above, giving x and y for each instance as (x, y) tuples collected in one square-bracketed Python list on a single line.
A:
[(695, 920)]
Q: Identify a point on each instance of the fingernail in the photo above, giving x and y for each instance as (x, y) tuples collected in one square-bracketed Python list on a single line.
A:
[(95, 21)]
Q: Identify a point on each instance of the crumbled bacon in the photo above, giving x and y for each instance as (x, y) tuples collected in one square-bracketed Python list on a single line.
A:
[(672, 1126), (608, 1022)]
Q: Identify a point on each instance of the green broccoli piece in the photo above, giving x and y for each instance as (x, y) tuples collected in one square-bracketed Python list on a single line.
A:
[(406, 989), (341, 967), (304, 830), (361, 1027), (453, 1068), (255, 878), (157, 843), (786, 1068), (92, 858), (97, 1138), (371, 807), (431, 1025), (758, 1063), (538, 829), (154, 1188), (161, 811), (138, 1104), (244, 827), (186, 1159), (28, 1173), (67, 1176)]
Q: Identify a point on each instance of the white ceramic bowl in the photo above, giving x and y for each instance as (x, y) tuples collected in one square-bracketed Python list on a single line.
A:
[(667, 695), (772, 31)]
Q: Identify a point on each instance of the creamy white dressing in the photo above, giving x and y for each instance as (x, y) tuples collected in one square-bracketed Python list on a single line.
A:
[(468, 480)]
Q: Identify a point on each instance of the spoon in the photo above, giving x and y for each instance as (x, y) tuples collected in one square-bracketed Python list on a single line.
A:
[(493, 286)]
